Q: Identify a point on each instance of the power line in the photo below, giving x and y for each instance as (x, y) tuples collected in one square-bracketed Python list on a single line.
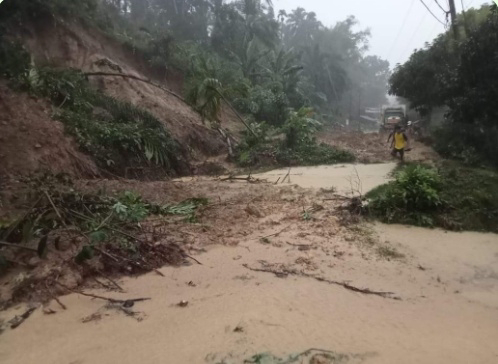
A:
[(401, 30), (440, 7), (402, 55), (430, 11)]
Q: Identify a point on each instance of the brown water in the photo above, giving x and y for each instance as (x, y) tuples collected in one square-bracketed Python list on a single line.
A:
[(343, 177), (447, 312)]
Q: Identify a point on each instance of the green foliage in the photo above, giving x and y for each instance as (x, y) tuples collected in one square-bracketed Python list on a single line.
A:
[(116, 133), (297, 148), (299, 128), (100, 219), (466, 143), (185, 208), (454, 197), (459, 74), (413, 195)]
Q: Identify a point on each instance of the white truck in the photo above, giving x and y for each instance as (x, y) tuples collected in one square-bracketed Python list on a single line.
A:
[(392, 116)]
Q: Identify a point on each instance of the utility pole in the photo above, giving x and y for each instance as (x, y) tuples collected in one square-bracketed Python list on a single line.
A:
[(359, 108), (453, 18)]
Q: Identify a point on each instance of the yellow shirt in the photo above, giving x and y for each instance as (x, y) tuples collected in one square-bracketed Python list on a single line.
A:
[(399, 141)]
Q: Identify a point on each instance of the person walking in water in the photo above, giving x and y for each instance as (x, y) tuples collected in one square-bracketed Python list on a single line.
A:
[(399, 142)]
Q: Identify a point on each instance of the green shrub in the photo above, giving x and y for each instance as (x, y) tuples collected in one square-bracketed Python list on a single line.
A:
[(471, 144), (412, 197)]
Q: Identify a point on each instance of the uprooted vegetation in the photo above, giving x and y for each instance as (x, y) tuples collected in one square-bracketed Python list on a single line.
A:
[(87, 234), (452, 197)]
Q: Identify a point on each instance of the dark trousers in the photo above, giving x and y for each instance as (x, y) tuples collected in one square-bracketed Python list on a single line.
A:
[(400, 151)]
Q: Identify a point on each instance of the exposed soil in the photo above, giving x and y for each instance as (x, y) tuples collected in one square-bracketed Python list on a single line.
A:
[(30, 141), (283, 269), (373, 147), (73, 45)]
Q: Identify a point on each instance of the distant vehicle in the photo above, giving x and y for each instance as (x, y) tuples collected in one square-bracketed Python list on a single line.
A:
[(392, 116)]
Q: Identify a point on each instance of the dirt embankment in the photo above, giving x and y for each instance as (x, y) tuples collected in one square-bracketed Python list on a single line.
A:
[(71, 45), (30, 140)]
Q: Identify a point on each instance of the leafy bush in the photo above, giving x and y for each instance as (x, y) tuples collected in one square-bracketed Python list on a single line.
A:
[(467, 143), (299, 128), (412, 197)]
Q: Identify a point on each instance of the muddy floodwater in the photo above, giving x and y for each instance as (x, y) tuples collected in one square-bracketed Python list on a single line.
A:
[(439, 301), (343, 177)]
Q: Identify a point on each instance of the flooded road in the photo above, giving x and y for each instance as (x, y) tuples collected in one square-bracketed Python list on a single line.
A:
[(442, 308), (343, 177)]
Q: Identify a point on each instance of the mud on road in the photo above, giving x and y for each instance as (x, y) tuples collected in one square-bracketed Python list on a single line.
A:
[(283, 269)]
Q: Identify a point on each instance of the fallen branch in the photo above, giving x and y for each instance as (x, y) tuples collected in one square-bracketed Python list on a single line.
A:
[(195, 260), (283, 274), (10, 245), (18, 320), (55, 297), (55, 208), (108, 299), (301, 245), (249, 179), (287, 176), (275, 234), (126, 75), (112, 281), (277, 273), (234, 111)]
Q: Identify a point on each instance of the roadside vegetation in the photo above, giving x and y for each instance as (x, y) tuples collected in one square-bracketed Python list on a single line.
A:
[(458, 72), (451, 196)]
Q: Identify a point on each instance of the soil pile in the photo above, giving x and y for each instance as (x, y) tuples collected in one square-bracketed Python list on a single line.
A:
[(31, 141)]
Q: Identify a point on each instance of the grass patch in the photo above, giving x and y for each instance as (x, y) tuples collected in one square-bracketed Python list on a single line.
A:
[(453, 197)]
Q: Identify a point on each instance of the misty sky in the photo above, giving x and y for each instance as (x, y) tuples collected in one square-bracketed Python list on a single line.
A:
[(385, 18)]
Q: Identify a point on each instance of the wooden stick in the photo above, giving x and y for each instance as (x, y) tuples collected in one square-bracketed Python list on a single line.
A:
[(287, 175), (112, 300), (10, 245), (125, 75), (321, 279), (55, 208), (275, 234), (195, 260)]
